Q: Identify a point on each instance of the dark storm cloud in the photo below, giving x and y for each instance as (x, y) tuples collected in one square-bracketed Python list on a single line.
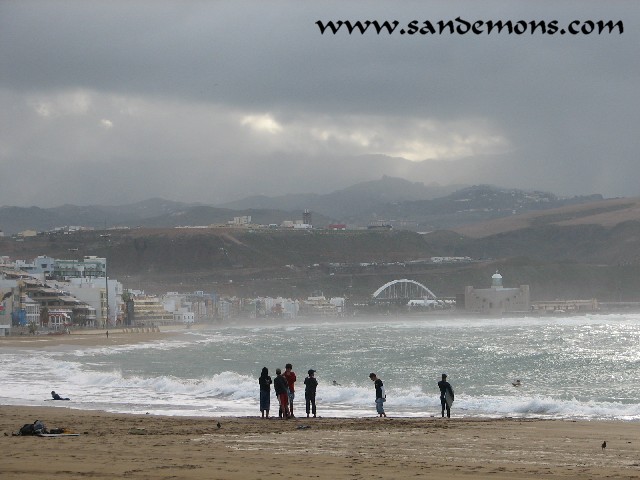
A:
[(208, 101)]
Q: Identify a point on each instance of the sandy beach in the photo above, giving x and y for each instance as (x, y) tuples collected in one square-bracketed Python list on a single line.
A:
[(152, 447), (90, 338)]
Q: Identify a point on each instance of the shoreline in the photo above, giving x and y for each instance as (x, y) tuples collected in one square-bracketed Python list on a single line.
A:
[(92, 337), (131, 335), (162, 447)]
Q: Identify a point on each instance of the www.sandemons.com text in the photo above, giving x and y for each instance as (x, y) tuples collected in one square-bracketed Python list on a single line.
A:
[(460, 26)]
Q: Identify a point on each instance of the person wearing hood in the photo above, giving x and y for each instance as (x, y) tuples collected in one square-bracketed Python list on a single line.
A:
[(265, 392)]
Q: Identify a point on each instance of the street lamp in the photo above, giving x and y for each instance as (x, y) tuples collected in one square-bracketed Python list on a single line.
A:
[(106, 286), (106, 276)]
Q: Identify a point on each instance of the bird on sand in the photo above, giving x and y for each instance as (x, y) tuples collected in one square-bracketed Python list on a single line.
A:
[(604, 445), (218, 425)]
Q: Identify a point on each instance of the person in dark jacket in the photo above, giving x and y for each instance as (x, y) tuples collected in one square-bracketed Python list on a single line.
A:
[(281, 386), (381, 396), (446, 395), (56, 396), (265, 392), (310, 385)]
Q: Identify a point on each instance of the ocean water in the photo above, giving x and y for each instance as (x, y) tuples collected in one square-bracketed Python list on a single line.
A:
[(583, 367)]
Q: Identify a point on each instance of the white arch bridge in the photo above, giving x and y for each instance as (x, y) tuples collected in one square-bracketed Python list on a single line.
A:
[(402, 291)]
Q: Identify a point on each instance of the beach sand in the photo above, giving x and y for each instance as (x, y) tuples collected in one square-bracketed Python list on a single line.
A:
[(91, 338), (155, 447)]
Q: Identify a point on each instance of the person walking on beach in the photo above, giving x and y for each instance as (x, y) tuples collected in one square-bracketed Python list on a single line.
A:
[(310, 385), (381, 396), (265, 392), (446, 395), (280, 386), (290, 375)]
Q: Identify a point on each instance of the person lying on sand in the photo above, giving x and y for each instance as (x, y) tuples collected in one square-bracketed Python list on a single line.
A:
[(56, 396)]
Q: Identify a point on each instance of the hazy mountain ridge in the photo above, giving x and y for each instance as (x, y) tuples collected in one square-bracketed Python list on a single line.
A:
[(350, 201), (16, 219), (474, 204), (411, 205)]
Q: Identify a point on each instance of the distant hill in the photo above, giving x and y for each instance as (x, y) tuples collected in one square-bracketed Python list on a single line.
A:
[(477, 203), (574, 261), (155, 213), (415, 206), (17, 219), (403, 204), (606, 213), (349, 202), (206, 215), (104, 215)]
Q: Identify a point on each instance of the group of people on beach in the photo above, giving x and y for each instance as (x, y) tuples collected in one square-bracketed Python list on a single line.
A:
[(284, 386)]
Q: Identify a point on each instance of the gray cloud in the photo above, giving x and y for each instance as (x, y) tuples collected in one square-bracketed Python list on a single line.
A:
[(110, 102)]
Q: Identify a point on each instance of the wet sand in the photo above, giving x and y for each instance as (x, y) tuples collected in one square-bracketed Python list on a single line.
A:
[(156, 447), (92, 338)]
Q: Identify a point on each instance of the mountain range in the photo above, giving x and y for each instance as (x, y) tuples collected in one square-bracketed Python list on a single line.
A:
[(398, 202)]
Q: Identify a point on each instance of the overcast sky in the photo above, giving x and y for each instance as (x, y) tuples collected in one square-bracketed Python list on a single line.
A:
[(108, 102)]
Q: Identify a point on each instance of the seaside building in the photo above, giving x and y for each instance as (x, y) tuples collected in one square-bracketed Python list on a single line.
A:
[(38, 267), (31, 310), (90, 266), (149, 311), (320, 306), (276, 307), (93, 291), (497, 299), (87, 274), (201, 305), (66, 308), (566, 306), (183, 316)]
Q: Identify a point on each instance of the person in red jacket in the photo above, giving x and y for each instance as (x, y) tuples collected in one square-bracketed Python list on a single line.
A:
[(290, 375)]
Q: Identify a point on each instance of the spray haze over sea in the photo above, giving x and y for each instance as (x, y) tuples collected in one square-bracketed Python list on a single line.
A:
[(580, 367)]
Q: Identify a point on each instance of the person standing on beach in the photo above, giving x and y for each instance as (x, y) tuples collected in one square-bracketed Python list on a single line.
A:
[(281, 388), (290, 375), (265, 392), (310, 385), (446, 395), (381, 396)]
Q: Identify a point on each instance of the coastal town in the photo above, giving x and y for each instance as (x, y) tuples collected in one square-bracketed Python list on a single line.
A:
[(53, 295), (58, 295)]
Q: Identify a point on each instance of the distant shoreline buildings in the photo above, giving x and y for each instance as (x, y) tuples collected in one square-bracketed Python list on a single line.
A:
[(57, 295), (497, 299)]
